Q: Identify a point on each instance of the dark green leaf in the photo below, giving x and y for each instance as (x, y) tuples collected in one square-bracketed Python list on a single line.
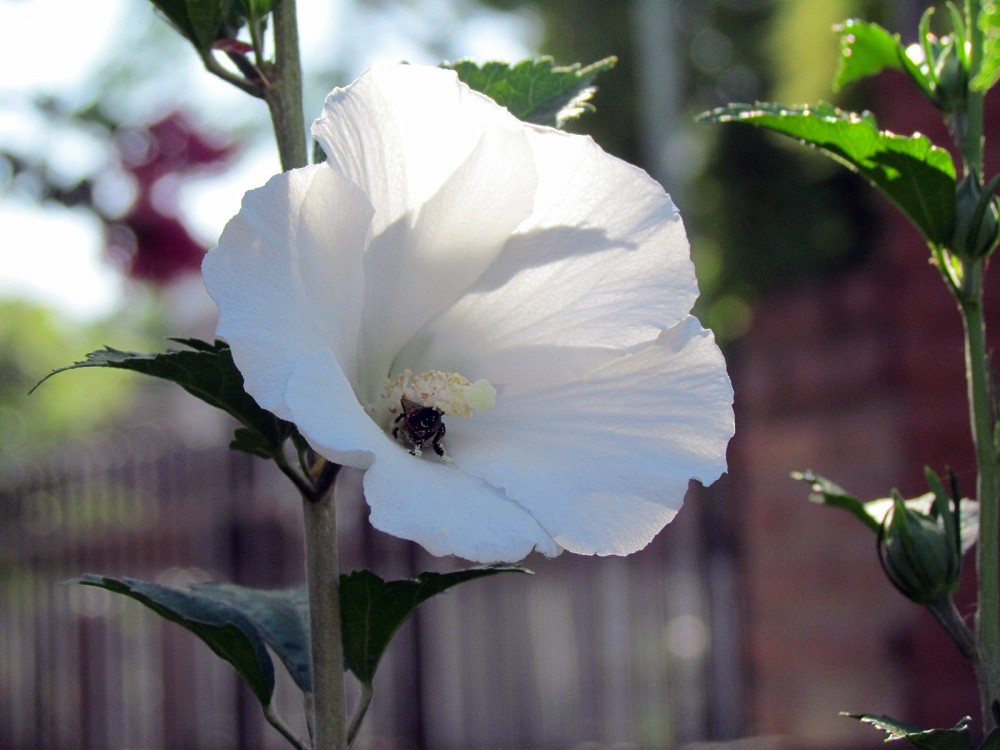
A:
[(281, 618), (198, 20), (989, 22), (254, 9), (206, 371), (867, 49), (372, 610), (826, 492), (956, 738), (535, 91), (224, 628), (917, 175)]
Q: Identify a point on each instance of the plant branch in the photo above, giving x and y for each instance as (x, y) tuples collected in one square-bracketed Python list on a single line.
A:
[(283, 92), (215, 68), (327, 652), (947, 615), (987, 550)]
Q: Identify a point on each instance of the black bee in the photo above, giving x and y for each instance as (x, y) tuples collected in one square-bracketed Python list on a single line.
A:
[(419, 424)]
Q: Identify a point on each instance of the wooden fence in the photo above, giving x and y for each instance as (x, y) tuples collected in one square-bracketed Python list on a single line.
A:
[(588, 653)]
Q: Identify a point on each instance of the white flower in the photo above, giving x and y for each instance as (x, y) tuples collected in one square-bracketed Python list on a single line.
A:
[(450, 254)]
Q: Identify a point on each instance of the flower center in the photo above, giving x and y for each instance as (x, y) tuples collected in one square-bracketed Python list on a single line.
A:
[(447, 392), (415, 406)]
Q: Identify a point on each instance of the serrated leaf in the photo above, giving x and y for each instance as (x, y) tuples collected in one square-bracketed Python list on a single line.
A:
[(206, 371), (373, 609), (535, 91), (989, 70), (281, 617), (918, 176), (222, 627), (956, 738), (865, 50)]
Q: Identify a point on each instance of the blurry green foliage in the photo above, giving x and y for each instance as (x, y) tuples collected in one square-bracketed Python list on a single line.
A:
[(34, 339)]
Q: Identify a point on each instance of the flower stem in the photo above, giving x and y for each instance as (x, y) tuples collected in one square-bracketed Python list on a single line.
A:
[(323, 582), (987, 550), (283, 91), (969, 136)]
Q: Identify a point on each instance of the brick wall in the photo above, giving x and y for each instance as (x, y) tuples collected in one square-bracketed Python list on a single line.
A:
[(860, 378)]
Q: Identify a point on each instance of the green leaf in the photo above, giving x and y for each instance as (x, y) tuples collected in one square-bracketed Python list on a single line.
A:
[(372, 610), (956, 738), (867, 49), (206, 371), (872, 513), (989, 71), (917, 175), (826, 492), (198, 20), (535, 91), (281, 618), (222, 627)]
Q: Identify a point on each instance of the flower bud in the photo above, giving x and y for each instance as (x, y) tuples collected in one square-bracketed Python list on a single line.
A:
[(921, 552), (976, 226), (952, 78)]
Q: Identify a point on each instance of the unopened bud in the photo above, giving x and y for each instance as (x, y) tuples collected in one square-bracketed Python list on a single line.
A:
[(921, 552), (976, 228)]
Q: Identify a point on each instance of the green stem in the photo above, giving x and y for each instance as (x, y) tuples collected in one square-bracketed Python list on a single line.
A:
[(969, 135), (329, 715), (987, 550), (283, 90)]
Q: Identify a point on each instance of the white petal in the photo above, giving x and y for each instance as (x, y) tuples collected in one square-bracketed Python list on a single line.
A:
[(602, 264), (449, 512), (288, 277), (604, 462), (324, 407), (437, 505), (415, 271), (400, 131)]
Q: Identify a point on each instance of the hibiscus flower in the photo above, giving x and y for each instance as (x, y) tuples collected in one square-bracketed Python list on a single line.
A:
[(490, 319)]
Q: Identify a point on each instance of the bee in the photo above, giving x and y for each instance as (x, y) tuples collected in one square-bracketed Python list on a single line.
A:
[(419, 425)]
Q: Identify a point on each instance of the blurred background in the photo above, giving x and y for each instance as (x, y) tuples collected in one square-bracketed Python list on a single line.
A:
[(752, 619)]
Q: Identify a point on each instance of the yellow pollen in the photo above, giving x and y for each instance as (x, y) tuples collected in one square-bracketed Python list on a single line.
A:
[(450, 392)]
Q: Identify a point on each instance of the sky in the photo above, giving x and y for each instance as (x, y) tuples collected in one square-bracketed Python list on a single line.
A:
[(61, 47)]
